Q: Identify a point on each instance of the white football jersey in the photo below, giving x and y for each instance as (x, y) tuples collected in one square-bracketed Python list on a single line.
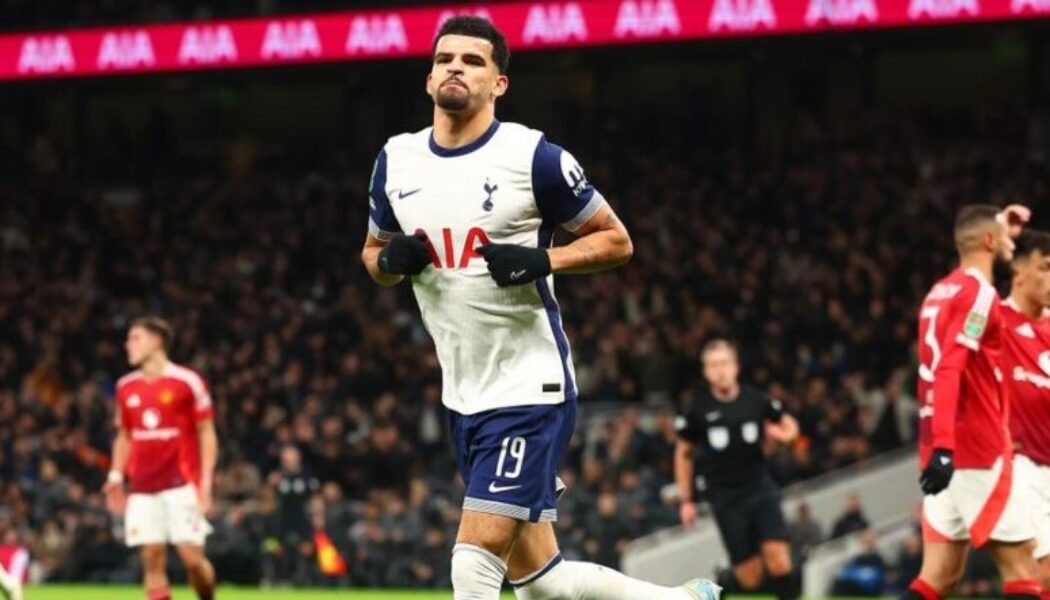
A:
[(498, 347)]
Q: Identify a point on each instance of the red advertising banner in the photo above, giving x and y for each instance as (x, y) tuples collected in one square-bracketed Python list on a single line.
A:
[(391, 33)]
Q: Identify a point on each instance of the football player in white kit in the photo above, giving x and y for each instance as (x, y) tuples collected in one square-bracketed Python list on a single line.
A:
[(467, 209)]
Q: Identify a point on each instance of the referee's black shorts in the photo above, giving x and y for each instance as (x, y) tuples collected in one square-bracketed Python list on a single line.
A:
[(747, 515)]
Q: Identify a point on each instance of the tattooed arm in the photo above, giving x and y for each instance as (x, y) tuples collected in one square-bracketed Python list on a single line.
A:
[(603, 243)]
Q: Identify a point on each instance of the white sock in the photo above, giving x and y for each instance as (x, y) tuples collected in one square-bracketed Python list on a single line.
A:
[(477, 574), (572, 580)]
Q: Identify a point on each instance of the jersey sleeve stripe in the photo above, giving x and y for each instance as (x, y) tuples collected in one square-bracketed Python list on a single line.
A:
[(969, 342), (983, 304), (586, 212), (378, 232), (126, 379), (201, 397)]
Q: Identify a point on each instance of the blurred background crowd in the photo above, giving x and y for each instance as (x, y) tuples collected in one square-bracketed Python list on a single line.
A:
[(810, 240)]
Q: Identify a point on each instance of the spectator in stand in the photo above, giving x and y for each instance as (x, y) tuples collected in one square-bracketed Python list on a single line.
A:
[(865, 574), (804, 533), (851, 520)]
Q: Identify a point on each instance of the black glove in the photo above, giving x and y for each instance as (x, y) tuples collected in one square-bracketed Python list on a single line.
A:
[(938, 472), (510, 264), (405, 255)]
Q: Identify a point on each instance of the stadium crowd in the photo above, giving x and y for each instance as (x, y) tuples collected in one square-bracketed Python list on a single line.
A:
[(326, 386)]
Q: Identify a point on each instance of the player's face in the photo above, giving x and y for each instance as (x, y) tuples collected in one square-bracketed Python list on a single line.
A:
[(140, 345), (1004, 244), (1033, 278), (464, 77), (721, 368)]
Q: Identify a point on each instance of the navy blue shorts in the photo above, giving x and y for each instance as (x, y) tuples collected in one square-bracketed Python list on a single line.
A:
[(509, 458)]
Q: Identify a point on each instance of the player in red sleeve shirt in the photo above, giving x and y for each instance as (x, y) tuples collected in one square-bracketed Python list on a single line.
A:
[(166, 448), (14, 570), (964, 445), (1027, 370)]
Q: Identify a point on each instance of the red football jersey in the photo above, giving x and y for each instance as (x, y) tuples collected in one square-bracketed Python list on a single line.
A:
[(161, 417), (15, 560), (960, 383), (1027, 362)]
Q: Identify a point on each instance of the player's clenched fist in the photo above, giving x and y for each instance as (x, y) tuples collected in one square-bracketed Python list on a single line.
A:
[(938, 472), (510, 264), (687, 511), (405, 255)]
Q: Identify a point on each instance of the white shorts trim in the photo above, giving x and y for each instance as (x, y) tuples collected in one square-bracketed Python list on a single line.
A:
[(168, 517)]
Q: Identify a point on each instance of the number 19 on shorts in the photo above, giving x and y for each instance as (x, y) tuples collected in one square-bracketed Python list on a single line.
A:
[(515, 447)]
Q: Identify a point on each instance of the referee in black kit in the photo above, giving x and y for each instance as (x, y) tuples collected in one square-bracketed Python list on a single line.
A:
[(723, 429)]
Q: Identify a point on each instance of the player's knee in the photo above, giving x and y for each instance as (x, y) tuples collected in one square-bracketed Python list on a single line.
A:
[(1043, 572), (154, 557), (777, 559), (476, 573), (555, 585), (194, 561), (749, 574), (1014, 561)]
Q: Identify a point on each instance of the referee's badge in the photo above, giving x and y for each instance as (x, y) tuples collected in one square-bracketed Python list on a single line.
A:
[(750, 432), (718, 437)]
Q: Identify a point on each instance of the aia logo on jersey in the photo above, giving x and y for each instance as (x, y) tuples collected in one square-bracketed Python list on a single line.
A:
[(151, 418), (134, 401), (476, 238)]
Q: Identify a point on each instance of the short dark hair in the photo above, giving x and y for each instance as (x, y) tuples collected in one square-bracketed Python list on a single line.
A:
[(1031, 241), (157, 326), (970, 219), (480, 28), (719, 344)]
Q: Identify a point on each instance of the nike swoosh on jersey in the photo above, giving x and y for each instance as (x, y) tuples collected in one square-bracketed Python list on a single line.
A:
[(401, 195), (495, 489)]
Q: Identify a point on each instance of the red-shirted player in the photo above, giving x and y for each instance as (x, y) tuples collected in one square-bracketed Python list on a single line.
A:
[(167, 448), (14, 569), (964, 445), (1027, 370)]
